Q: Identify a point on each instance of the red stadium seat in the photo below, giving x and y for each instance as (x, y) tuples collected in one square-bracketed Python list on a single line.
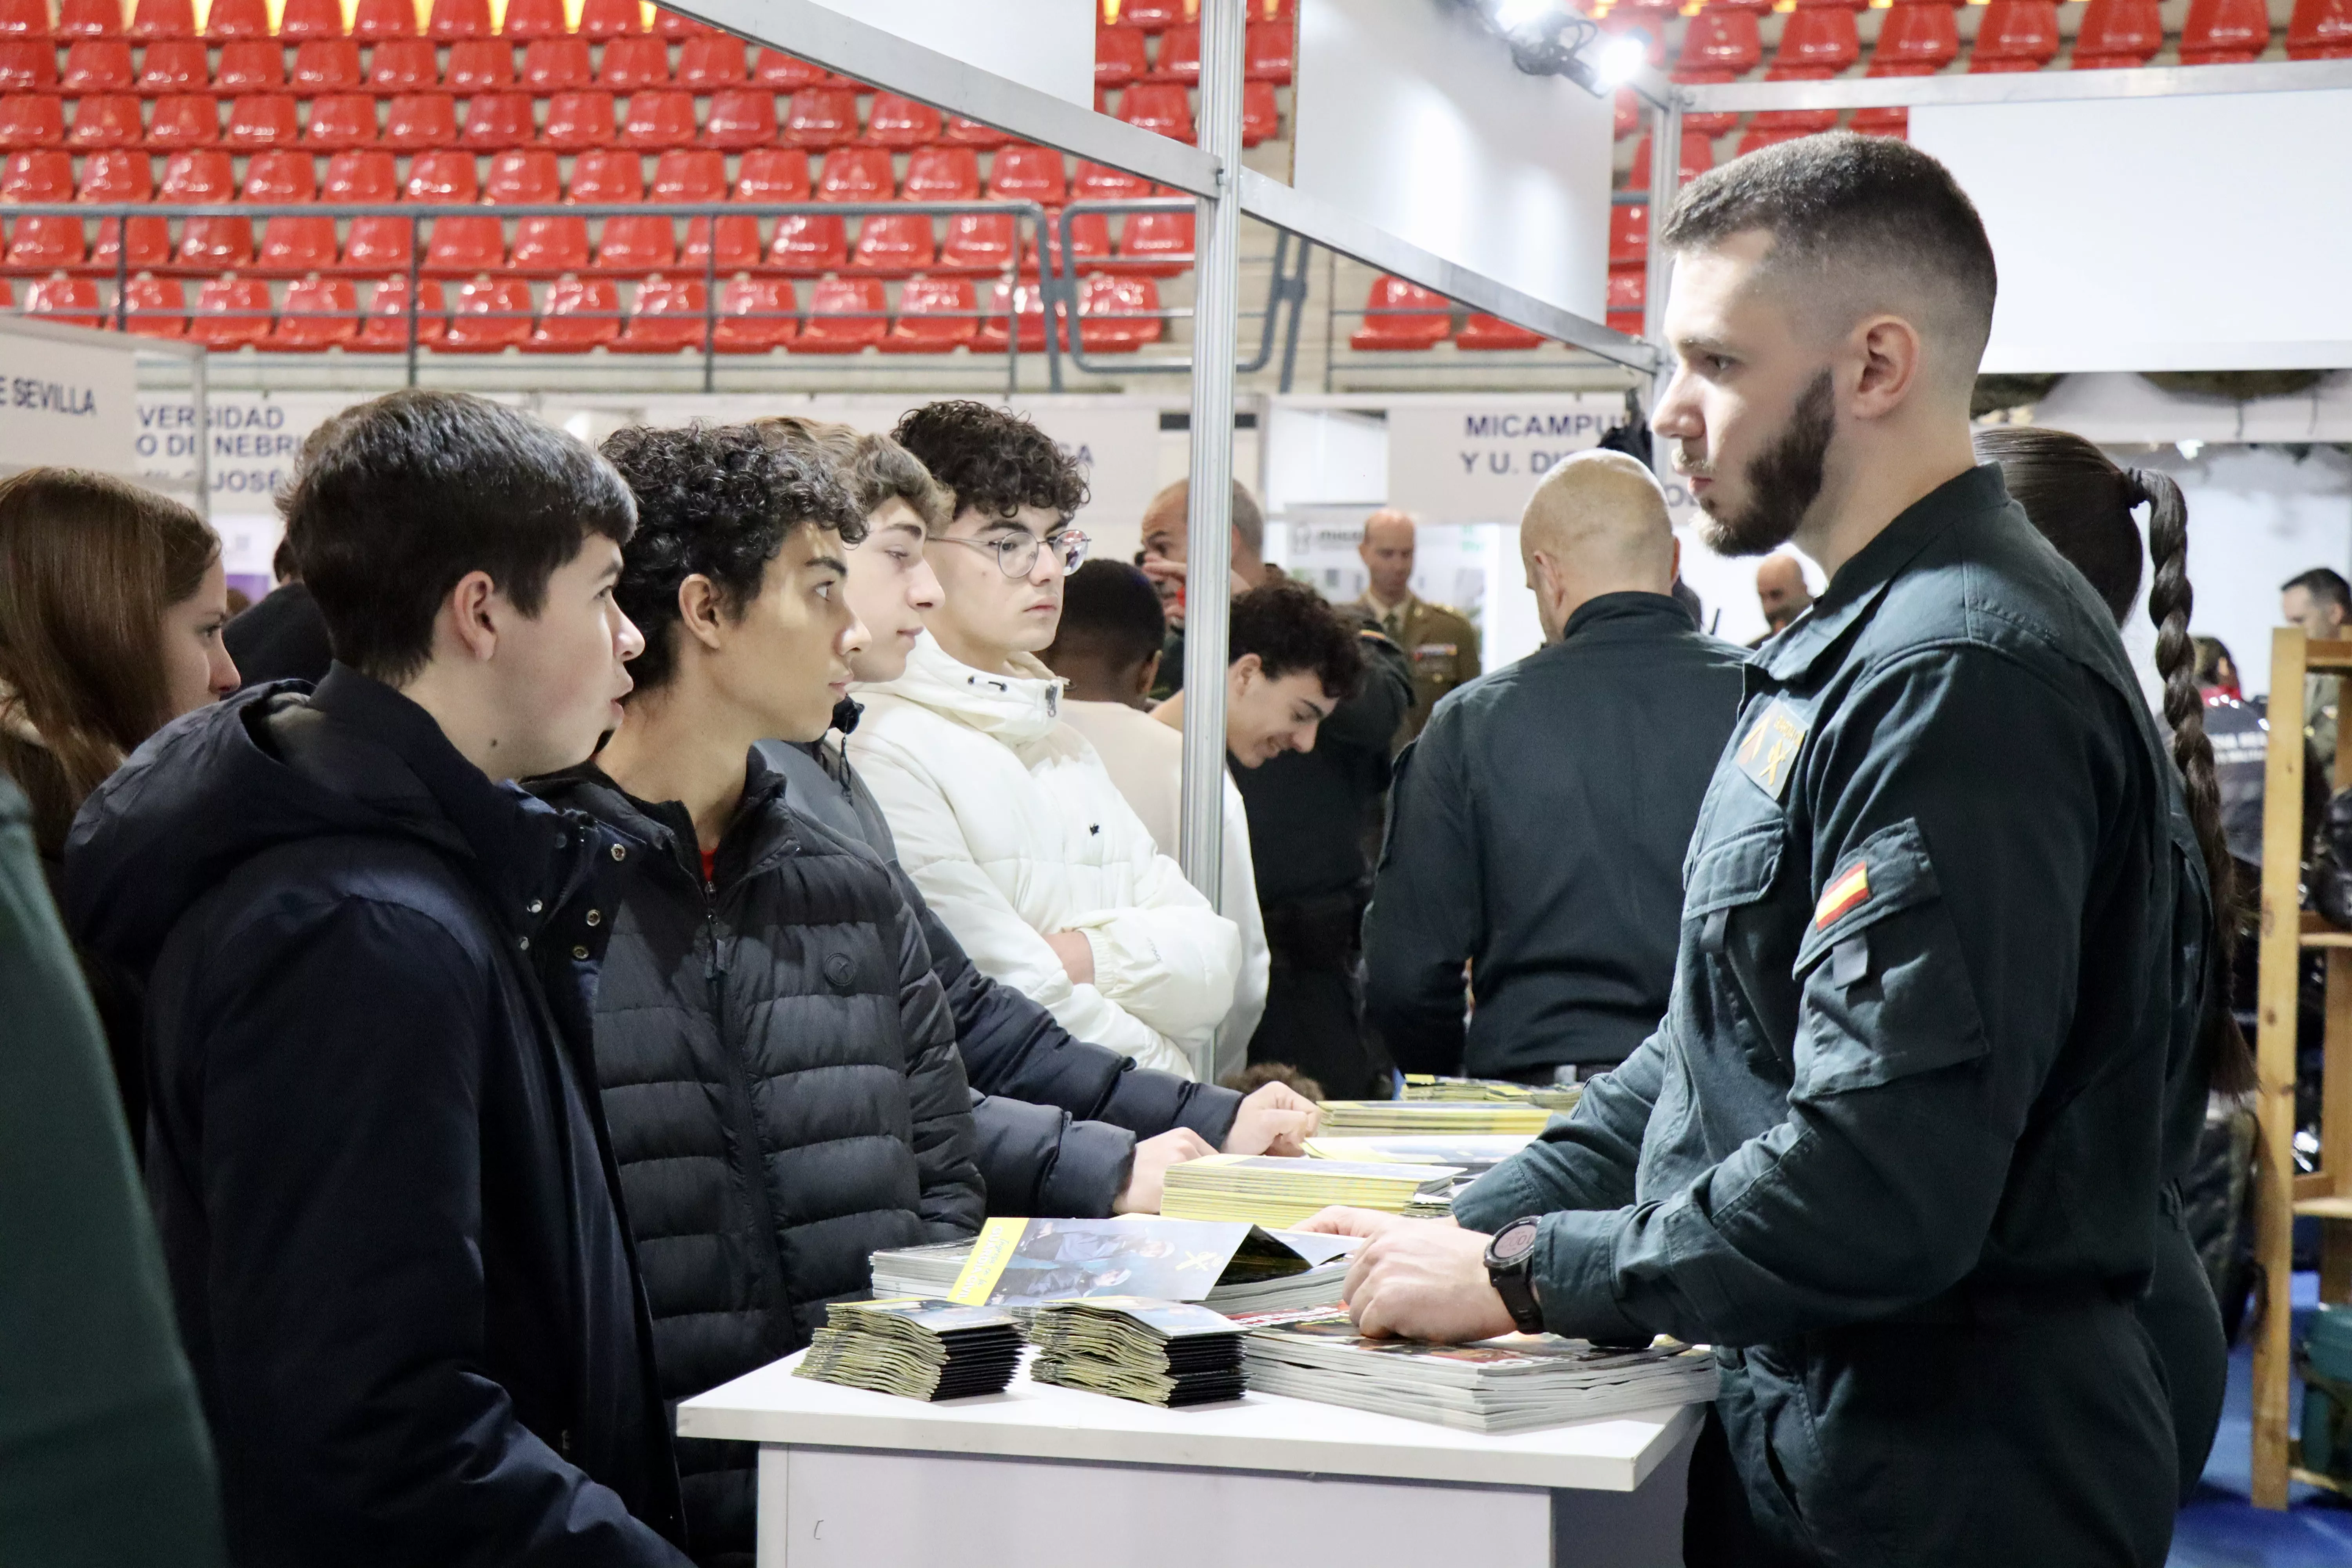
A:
[(1725, 41), (155, 306), (384, 328), (1089, 242), (1153, 16), (45, 244), (963, 133), (1026, 303), (24, 19), (1919, 33), (2224, 32), (376, 19), (496, 121), (200, 177), (690, 174), (581, 314), (317, 314), (229, 19), (303, 21), (96, 64), (822, 117), (28, 65), (1261, 113), (857, 175), (454, 19), (610, 18), (367, 175), (341, 120), (1096, 182), (1401, 315), (404, 65), (2116, 35), (894, 244), (461, 246), (607, 175), (579, 121), (895, 121), (672, 315), (757, 315), (658, 118), (936, 315), (183, 120), (72, 301), (248, 65), (707, 63), (1698, 158), (1158, 106), (544, 247), (31, 119), (636, 244), (525, 177), (1180, 56), (231, 313), (1117, 315), (149, 247), (673, 25), (90, 18), (41, 174), (740, 118), (1119, 57), (1158, 244), (808, 243), (533, 21), (492, 314), (1482, 332), (2016, 35), (556, 65), (942, 174), (977, 242), (163, 19), (1628, 234), (170, 65), (2320, 30), (417, 121), (1628, 286), (1820, 40), (265, 119), (440, 176), (845, 315), (112, 119), (789, 73), (739, 246), (480, 65), (293, 246), (1270, 52), (1027, 174), (633, 64), (325, 66), (772, 174)]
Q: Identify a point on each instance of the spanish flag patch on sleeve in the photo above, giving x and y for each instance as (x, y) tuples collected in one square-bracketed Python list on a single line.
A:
[(1842, 894)]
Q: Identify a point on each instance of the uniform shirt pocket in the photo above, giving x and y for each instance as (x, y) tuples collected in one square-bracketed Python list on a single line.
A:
[(1886, 990)]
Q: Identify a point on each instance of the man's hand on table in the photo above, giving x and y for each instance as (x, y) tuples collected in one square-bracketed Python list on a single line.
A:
[(1274, 1120), (1417, 1279)]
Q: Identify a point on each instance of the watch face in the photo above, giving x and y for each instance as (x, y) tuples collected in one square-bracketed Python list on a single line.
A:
[(1515, 1240)]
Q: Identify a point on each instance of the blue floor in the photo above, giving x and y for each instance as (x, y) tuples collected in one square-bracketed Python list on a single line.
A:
[(2219, 1529)]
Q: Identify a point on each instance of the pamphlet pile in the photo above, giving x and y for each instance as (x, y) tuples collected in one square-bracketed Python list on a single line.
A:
[(1551, 1096), (1228, 1265), (922, 1348), (1513, 1384), (1278, 1191), (1160, 1352), (1380, 1118), (1473, 1153)]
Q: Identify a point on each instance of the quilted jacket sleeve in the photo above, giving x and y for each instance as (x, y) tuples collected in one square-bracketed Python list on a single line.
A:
[(953, 1202)]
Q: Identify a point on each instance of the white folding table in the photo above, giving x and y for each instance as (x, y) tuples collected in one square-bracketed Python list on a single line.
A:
[(1040, 1476)]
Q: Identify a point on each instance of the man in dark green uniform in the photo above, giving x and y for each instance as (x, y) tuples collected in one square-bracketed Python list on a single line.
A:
[(1894, 1147)]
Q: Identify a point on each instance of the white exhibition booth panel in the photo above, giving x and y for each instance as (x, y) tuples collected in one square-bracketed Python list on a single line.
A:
[(1048, 44), (67, 396)]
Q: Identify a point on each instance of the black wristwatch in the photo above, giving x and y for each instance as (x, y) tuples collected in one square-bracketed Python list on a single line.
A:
[(1510, 1268)]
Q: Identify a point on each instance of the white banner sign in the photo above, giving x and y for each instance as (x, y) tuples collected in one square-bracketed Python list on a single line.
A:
[(66, 402), (255, 437)]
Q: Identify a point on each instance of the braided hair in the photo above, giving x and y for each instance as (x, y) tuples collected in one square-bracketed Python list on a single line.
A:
[(2082, 502)]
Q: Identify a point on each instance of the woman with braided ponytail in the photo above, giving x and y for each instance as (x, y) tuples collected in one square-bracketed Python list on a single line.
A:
[(2083, 504)]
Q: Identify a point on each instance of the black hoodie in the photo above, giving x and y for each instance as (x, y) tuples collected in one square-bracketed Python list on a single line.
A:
[(386, 1205)]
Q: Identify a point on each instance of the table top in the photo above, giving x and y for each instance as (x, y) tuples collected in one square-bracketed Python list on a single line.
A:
[(1256, 1432)]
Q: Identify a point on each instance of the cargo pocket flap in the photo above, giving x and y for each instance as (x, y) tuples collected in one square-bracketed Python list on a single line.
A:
[(1889, 873), (1737, 870)]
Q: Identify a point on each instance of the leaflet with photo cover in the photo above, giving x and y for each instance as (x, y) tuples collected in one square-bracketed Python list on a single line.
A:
[(1018, 1261), (1511, 1384), (1272, 1190), (1174, 1353), (920, 1349)]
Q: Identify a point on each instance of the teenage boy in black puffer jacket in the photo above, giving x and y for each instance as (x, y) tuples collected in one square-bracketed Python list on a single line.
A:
[(779, 1067)]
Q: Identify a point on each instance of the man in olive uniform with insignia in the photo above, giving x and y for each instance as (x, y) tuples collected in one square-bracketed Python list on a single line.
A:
[(1442, 642), (2320, 602), (1895, 1148)]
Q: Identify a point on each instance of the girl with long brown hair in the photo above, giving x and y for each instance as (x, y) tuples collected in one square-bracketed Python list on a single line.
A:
[(111, 604)]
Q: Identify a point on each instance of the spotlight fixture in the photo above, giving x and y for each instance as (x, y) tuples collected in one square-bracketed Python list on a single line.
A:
[(1547, 38)]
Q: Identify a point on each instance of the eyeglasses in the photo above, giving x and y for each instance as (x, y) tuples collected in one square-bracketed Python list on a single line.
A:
[(1017, 553)]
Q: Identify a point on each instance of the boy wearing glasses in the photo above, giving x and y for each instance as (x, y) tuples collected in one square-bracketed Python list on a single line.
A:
[(1003, 814)]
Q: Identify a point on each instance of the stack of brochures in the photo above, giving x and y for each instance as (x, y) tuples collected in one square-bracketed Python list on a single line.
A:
[(922, 1348), (1161, 1353), (1277, 1192), (1473, 1153), (1475, 1090), (1513, 1384), (1228, 1265), (1371, 1118)]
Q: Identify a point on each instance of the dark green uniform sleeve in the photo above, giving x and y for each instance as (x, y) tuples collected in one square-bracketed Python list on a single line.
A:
[(103, 1458), (1974, 791), (1428, 911), (1586, 1164)]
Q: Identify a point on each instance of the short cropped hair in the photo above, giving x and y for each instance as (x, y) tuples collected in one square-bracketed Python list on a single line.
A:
[(396, 499), (2323, 584), (991, 459), (719, 500), (1290, 628), (1249, 516), (1866, 212), (1112, 609), (875, 469)]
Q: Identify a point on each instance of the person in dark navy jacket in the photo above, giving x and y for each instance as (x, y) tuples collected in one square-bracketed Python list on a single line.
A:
[(1895, 1149)]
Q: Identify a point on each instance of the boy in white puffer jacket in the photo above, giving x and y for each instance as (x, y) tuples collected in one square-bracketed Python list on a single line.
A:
[(1004, 816)]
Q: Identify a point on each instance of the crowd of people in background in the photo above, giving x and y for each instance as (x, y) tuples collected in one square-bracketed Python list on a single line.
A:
[(602, 896)]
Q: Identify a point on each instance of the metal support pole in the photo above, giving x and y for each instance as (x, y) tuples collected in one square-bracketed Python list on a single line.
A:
[(1295, 288), (1665, 182), (1208, 526)]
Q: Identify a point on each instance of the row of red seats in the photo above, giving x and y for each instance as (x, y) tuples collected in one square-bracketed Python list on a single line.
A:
[(1160, 16), (654, 119), (934, 315), (1269, 53), (1399, 315), (227, 20)]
